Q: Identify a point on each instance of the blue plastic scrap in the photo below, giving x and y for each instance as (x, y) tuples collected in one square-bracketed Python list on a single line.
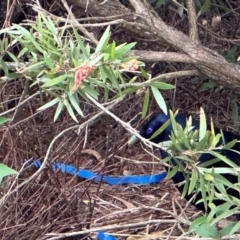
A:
[(86, 174), (105, 236)]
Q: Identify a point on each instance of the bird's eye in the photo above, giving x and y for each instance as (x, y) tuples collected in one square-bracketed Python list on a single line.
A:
[(149, 130)]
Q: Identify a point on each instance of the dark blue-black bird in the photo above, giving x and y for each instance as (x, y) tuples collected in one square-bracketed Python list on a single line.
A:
[(155, 122)]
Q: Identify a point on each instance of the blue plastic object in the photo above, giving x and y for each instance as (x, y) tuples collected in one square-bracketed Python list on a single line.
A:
[(83, 173), (105, 236), (86, 174)]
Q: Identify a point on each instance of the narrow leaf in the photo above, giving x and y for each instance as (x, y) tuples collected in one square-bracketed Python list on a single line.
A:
[(159, 99), (58, 110), (75, 104), (103, 40), (57, 80), (207, 230), (4, 120), (6, 171), (193, 181), (162, 85), (145, 103), (70, 110), (49, 104)]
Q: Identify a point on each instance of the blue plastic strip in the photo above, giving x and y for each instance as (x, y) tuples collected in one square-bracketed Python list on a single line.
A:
[(86, 174), (143, 180), (105, 236)]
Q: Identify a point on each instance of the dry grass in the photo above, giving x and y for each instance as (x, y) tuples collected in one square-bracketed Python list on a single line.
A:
[(58, 203)]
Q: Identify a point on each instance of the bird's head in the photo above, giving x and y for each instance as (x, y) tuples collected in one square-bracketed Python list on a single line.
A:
[(153, 124)]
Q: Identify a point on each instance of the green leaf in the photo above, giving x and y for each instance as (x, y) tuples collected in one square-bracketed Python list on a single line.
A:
[(183, 138), (212, 190), (205, 7), (208, 177), (80, 44), (48, 60), (193, 181), (203, 191), (13, 57), (144, 73), (172, 172), (49, 104), (125, 92), (208, 85), (220, 187), (207, 230), (4, 67), (70, 110), (223, 158), (197, 222), (121, 50), (223, 215), (186, 185), (230, 229), (6, 171), (14, 75), (221, 170), (229, 145), (4, 120), (112, 52), (58, 110), (159, 99), (106, 94), (96, 59), (161, 129), (162, 85), (24, 51), (219, 209), (50, 25), (174, 124), (75, 104), (30, 37), (221, 179), (103, 41), (35, 67), (57, 80), (90, 91), (202, 144), (145, 103)]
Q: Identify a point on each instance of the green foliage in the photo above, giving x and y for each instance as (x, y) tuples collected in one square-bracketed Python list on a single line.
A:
[(205, 7), (66, 68), (185, 147), (155, 87)]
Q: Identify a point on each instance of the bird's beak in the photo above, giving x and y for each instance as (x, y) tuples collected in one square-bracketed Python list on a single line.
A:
[(132, 140)]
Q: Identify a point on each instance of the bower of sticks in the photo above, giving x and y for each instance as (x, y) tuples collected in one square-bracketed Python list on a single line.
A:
[(55, 205)]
